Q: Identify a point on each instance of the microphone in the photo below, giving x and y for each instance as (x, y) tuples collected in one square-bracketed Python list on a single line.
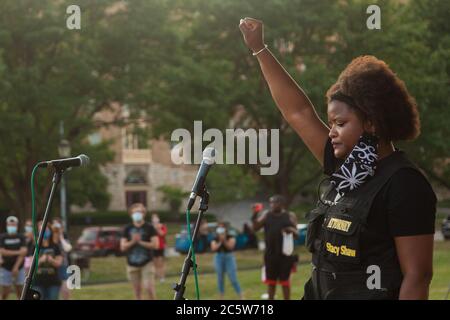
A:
[(81, 161), (207, 162)]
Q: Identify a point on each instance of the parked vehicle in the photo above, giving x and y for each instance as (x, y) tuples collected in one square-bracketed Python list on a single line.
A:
[(100, 241), (82, 259), (301, 234), (242, 239)]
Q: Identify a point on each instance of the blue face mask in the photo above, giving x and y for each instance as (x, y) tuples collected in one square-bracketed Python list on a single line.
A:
[(220, 230), (11, 229), (28, 229), (137, 216), (47, 234)]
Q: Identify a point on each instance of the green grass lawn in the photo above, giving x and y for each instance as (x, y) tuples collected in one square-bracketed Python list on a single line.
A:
[(248, 259), (249, 274)]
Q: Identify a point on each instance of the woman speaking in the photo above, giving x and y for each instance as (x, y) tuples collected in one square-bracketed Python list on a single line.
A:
[(371, 233)]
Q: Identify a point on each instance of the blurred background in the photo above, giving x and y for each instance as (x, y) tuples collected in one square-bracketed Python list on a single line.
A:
[(137, 70)]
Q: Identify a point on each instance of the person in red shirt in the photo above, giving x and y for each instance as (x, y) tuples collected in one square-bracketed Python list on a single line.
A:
[(158, 254)]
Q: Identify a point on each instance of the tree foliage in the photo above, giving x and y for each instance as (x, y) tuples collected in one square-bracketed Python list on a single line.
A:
[(176, 61)]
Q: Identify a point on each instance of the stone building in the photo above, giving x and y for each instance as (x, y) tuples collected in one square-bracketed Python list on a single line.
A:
[(139, 167)]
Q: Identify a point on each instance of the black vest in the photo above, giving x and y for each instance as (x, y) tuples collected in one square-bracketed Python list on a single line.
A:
[(333, 237)]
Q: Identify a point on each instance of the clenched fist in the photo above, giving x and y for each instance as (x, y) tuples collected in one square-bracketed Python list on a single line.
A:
[(252, 30)]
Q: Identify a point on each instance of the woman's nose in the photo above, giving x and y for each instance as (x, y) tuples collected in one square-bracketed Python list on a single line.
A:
[(332, 134)]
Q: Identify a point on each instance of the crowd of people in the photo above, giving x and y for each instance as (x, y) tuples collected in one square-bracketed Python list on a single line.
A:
[(16, 254), (143, 244)]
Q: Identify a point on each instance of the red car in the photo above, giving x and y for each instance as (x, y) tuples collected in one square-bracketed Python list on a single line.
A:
[(100, 241)]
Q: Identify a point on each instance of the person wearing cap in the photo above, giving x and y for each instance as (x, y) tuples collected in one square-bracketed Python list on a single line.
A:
[(138, 241), (13, 250), (277, 266)]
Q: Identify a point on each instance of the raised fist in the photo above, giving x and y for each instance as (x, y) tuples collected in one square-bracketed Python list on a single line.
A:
[(252, 30)]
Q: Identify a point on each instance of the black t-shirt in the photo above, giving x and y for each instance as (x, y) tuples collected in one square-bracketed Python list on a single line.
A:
[(222, 246), (137, 255), (273, 235), (405, 206), (11, 242), (47, 274)]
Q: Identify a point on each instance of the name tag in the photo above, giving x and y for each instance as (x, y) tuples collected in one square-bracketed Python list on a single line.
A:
[(339, 224), (340, 250)]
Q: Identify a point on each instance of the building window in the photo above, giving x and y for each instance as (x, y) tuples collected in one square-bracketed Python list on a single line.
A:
[(135, 138), (136, 177)]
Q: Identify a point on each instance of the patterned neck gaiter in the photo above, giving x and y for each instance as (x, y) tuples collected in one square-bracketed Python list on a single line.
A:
[(359, 166)]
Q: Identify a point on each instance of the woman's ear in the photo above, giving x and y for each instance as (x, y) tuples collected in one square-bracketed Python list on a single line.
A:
[(370, 127)]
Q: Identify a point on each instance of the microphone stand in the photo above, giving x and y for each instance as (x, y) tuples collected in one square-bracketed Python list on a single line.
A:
[(180, 287), (27, 292)]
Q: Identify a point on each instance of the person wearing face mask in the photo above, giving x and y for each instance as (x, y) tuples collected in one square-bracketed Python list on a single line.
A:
[(277, 266), (158, 254), (28, 232), (13, 250), (376, 216), (59, 238), (47, 281), (138, 242), (224, 260), (30, 244)]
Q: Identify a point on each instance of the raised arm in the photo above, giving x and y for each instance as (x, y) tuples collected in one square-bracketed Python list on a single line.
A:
[(290, 99)]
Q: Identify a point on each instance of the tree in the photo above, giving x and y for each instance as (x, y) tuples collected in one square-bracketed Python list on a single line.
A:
[(213, 73), (415, 42), (173, 196), (214, 76), (51, 74), (175, 61)]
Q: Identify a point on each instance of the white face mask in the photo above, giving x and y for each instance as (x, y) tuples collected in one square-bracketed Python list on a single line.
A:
[(28, 229), (137, 216), (11, 229), (220, 230)]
